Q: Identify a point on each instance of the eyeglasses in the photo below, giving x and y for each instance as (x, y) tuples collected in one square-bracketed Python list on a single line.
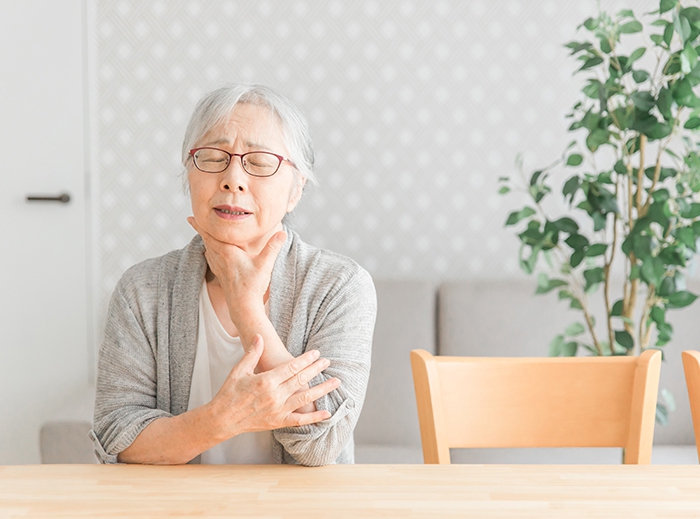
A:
[(255, 163)]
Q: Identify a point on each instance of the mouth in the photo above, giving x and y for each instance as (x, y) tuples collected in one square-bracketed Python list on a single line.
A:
[(227, 209), (228, 212)]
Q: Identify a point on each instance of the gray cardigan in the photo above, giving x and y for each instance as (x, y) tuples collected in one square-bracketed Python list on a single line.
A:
[(318, 300)]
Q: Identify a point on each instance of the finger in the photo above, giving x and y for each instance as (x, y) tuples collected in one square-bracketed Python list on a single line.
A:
[(285, 371), (269, 253), (297, 419), (251, 357), (302, 378), (307, 396)]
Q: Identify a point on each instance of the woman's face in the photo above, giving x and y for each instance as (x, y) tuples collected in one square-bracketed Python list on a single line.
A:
[(258, 204)]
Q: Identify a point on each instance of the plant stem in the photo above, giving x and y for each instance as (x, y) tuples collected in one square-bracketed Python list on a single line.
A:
[(644, 331), (606, 273), (630, 297), (640, 174), (590, 324)]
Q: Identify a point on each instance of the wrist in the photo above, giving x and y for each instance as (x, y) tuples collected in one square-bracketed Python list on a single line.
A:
[(213, 423)]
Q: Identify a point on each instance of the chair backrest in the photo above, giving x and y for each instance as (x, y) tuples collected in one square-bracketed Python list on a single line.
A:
[(691, 366), (472, 402)]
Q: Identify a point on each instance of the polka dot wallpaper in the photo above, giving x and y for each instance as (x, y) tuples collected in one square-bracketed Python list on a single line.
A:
[(416, 109)]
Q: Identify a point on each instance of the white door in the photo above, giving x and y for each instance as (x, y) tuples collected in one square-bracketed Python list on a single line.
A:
[(44, 358)]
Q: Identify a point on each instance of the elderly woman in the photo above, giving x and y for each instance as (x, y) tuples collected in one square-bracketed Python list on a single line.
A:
[(247, 345)]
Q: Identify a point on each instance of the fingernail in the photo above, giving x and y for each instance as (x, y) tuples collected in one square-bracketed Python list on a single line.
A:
[(315, 354), (326, 363)]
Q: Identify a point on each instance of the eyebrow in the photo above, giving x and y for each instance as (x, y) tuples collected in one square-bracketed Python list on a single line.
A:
[(249, 144)]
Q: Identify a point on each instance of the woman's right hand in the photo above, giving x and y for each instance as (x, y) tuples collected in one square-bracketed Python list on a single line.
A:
[(250, 401), (247, 401)]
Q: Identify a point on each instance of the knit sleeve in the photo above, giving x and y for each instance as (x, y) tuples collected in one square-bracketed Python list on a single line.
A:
[(342, 332), (125, 400)]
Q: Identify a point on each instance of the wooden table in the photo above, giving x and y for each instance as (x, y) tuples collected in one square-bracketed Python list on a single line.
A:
[(357, 491)]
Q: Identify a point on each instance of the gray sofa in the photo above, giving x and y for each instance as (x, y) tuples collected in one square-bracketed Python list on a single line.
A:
[(469, 318)]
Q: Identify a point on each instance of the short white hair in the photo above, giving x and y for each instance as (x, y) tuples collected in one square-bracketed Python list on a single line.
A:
[(218, 105)]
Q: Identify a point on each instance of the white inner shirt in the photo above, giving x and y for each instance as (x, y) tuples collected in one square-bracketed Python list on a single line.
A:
[(218, 352)]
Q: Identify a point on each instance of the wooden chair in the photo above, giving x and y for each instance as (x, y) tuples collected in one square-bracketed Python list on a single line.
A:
[(472, 402), (691, 366)]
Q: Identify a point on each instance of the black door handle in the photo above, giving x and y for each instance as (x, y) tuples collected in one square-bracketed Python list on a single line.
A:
[(64, 198)]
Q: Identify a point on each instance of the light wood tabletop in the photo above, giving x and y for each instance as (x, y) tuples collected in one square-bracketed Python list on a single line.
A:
[(358, 491)]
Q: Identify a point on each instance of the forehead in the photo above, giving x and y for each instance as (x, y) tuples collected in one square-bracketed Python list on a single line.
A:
[(251, 126)]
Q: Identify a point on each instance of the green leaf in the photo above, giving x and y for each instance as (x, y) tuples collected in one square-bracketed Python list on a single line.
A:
[(668, 399), (632, 27), (664, 102), (683, 93), (574, 160), (692, 211), (597, 249), (616, 310), (624, 339), (569, 349), (658, 39), (625, 13), (641, 245), (636, 55), (681, 299), (591, 62), (660, 195), (689, 58), (692, 123), (658, 315), (590, 23), (575, 261), (640, 76), (668, 34), (692, 14), (682, 26), (566, 225), (644, 101), (599, 221), (593, 277), (571, 186), (592, 88), (544, 284), (555, 346), (577, 47), (516, 216), (574, 329), (653, 270), (597, 138), (687, 237), (661, 414), (668, 287), (503, 190), (577, 241), (667, 5)]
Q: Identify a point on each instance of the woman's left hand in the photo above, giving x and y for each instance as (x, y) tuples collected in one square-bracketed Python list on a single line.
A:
[(244, 278)]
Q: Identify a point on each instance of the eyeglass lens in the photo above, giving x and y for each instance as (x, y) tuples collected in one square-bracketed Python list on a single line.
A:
[(259, 164)]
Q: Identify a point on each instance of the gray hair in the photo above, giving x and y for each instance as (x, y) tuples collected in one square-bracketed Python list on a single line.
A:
[(218, 105)]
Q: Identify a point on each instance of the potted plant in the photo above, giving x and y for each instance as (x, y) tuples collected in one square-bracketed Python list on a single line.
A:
[(630, 184)]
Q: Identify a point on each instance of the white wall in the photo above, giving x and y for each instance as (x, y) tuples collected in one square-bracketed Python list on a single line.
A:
[(416, 109)]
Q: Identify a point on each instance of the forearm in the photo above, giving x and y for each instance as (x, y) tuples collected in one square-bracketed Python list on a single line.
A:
[(255, 321), (174, 440)]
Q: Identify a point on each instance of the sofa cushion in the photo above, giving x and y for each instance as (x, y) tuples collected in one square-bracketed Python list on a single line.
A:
[(405, 321), (66, 442)]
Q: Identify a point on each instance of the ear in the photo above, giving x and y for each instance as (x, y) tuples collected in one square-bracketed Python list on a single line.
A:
[(297, 191)]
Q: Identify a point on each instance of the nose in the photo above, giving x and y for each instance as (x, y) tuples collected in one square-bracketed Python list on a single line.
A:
[(234, 178)]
